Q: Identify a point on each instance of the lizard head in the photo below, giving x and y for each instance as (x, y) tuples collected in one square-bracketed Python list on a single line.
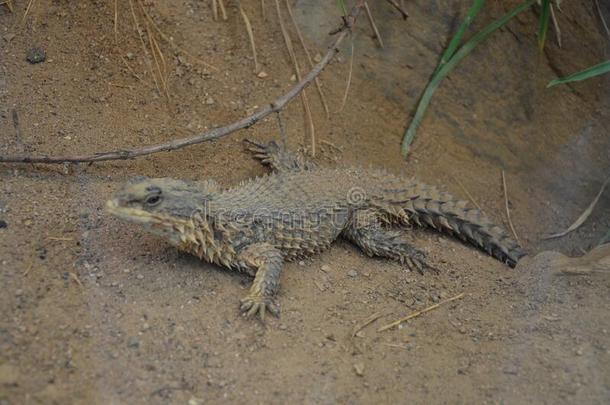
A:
[(162, 206)]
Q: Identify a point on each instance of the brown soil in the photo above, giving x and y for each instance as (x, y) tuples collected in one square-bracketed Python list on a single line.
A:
[(94, 310)]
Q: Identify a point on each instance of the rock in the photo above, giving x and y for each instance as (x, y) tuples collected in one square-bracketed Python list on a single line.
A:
[(325, 268), (140, 277), (209, 101), (130, 55), (359, 369), (352, 273), (3, 224), (133, 343), (317, 58), (262, 74), (8, 374), (36, 55)]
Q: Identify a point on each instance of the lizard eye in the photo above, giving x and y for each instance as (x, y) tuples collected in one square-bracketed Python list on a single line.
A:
[(153, 200)]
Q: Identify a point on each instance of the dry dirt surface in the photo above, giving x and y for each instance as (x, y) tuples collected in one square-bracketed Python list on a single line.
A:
[(93, 310)]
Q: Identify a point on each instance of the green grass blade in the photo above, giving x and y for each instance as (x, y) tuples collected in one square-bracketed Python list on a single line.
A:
[(448, 67), (593, 71), (457, 38), (543, 24)]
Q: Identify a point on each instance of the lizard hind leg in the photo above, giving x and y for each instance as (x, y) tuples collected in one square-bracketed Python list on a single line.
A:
[(367, 232), (278, 157)]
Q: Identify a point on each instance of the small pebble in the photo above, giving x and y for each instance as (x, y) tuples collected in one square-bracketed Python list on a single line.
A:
[(359, 369), (301, 263), (133, 343), (317, 58), (325, 268), (262, 74), (36, 55), (140, 277), (209, 101), (352, 273), (130, 55)]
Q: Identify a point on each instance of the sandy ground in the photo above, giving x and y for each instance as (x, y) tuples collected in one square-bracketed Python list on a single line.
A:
[(96, 311)]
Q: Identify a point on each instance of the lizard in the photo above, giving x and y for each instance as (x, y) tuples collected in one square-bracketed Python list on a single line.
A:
[(296, 211)]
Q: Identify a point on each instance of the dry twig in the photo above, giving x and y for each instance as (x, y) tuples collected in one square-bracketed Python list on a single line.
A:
[(349, 77), (116, 21), (297, 71), (510, 222), (223, 11), (140, 35), (601, 17), (244, 16), (420, 312), (302, 41), (400, 7), (215, 9), (556, 26), (369, 15), (212, 134), (583, 217), (9, 4), (366, 323), (27, 10)]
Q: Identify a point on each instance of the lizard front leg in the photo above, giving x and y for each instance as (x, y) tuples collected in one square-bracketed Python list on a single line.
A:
[(266, 262)]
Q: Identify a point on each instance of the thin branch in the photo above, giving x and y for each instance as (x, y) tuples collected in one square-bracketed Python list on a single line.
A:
[(400, 7), (244, 16), (146, 56), (583, 217), (170, 41), (116, 20), (369, 16), (349, 78), (311, 64), (420, 312), (223, 11), (275, 106), (297, 71), (510, 222), (215, 9), (556, 26), (601, 17)]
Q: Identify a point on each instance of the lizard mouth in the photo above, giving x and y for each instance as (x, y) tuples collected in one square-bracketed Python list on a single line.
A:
[(132, 214)]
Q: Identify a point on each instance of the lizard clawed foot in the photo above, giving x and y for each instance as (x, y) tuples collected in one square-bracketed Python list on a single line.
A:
[(417, 262), (261, 151), (255, 304)]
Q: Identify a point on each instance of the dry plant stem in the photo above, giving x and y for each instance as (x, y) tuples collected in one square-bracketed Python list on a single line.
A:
[(215, 9), (583, 217), (146, 56), (465, 190), (134, 74), (244, 16), (418, 313), (372, 24), (223, 11), (154, 49), (349, 78), (9, 4), (27, 10), (400, 7), (366, 323), (510, 222), (275, 106), (302, 41), (116, 21), (601, 17), (297, 71), (173, 45), (263, 10), (556, 26)]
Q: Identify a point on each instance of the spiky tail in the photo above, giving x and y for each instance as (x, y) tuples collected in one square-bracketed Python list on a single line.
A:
[(440, 210)]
